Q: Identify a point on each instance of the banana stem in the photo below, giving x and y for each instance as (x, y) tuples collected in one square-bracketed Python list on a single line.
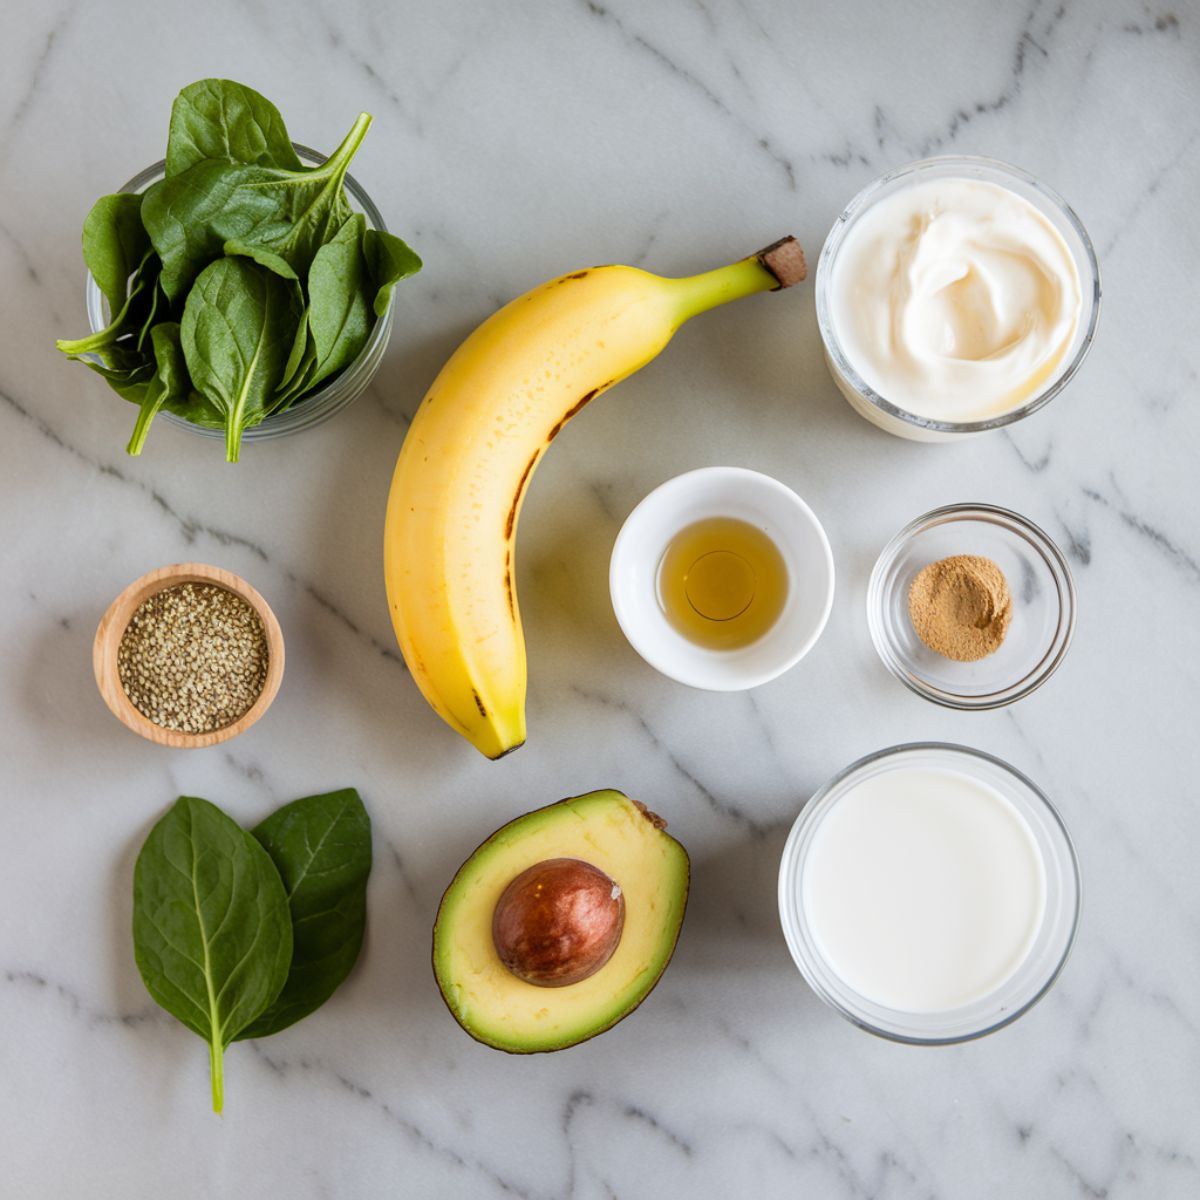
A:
[(699, 293), (778, 265)]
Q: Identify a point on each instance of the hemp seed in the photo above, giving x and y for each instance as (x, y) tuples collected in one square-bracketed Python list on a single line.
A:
[(193, 658)]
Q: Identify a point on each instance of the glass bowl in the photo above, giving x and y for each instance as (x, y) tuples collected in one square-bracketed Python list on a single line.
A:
[(1043, 595), (334, 394), (878, 409), (1047, 954)]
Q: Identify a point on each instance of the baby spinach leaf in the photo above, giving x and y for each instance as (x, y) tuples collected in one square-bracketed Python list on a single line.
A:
[(238, 327), (158, 309), (218, 118), (131, 315), (299, 372), (127, 372), (389, 259), (197, 409), (321, 846), (291, 213), (169, 382), (339, 301), (114, 243), (300, 345), (264, 258), (297, 368), (212, 935)]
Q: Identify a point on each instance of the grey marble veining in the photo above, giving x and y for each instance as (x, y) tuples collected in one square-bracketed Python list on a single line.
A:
[(512, 143)]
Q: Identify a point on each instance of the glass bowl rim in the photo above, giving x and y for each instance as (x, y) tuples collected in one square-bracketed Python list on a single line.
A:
[(324, 402), (861, 201), (1064, 631), (788, 875)]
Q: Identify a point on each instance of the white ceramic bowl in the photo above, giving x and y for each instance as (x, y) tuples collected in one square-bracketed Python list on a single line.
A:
[(721, 492)]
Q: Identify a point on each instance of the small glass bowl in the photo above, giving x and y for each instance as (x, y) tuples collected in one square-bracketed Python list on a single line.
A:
[(878, 409), (1046, 956), (333, 395), (1043, 595)]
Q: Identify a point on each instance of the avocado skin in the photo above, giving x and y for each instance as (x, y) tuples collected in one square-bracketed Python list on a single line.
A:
[(660, 826)]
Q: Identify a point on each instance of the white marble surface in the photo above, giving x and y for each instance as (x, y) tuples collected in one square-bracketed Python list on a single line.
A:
[(514, 142)]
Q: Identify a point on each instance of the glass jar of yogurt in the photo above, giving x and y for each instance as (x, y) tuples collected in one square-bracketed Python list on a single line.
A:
[(955, 295)]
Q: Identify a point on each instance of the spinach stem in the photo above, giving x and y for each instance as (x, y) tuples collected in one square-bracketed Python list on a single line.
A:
[(141, 427), (341, 157), (216, 1060)]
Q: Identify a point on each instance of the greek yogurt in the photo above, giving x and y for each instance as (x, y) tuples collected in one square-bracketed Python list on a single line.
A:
[(954, 298)]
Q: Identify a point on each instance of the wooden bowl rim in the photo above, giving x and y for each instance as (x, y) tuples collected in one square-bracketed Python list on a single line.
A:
[(116, 620)]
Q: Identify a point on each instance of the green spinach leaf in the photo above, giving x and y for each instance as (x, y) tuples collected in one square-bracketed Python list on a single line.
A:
[(221, 119), (132, 314), (321, 846), (238, 328), (264, 258), (126, 371), (169, 382), (298, 386), (114, 243), (291, 213), (212, 935), (196, 409), (129, 373), (389, 260), (157, 309), (301, 359), (339, 301)]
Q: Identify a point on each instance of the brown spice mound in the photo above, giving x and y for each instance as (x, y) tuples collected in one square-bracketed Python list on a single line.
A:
[(961, 607)]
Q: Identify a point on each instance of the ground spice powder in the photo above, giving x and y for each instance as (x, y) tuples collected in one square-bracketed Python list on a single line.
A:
[(961, 607), (193, 657)]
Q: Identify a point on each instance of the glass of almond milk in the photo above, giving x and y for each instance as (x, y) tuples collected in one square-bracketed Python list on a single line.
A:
[(955, 295), (930, 893)]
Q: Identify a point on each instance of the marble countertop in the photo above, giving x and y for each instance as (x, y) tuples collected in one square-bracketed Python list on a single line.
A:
[(512, 143)]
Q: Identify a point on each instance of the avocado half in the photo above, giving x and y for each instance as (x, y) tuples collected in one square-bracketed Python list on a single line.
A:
[(607, 830)]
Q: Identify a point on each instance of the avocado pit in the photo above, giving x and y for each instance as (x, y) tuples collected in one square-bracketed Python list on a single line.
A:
[(558, 922)]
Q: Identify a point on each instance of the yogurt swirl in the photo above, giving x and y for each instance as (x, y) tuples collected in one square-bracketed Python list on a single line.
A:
[(955, 299)]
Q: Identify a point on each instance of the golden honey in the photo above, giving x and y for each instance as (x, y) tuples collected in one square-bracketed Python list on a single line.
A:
[(722, 583)]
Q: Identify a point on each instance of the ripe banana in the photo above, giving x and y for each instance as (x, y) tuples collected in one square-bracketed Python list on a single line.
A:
[(466, 462)]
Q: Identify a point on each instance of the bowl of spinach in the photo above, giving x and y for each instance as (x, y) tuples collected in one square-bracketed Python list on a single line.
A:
[(243, 286)]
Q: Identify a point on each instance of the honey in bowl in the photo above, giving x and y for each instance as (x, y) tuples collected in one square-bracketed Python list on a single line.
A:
[(722, 583)]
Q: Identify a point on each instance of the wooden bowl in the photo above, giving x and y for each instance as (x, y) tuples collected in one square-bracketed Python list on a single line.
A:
[(112, 628)]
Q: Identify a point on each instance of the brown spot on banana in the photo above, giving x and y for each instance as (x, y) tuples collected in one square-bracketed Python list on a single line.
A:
[(508, 586), (511, 519), (479, 704), (557, 428)]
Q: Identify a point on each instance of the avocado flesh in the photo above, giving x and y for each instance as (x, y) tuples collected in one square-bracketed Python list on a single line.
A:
[(607, 830)]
